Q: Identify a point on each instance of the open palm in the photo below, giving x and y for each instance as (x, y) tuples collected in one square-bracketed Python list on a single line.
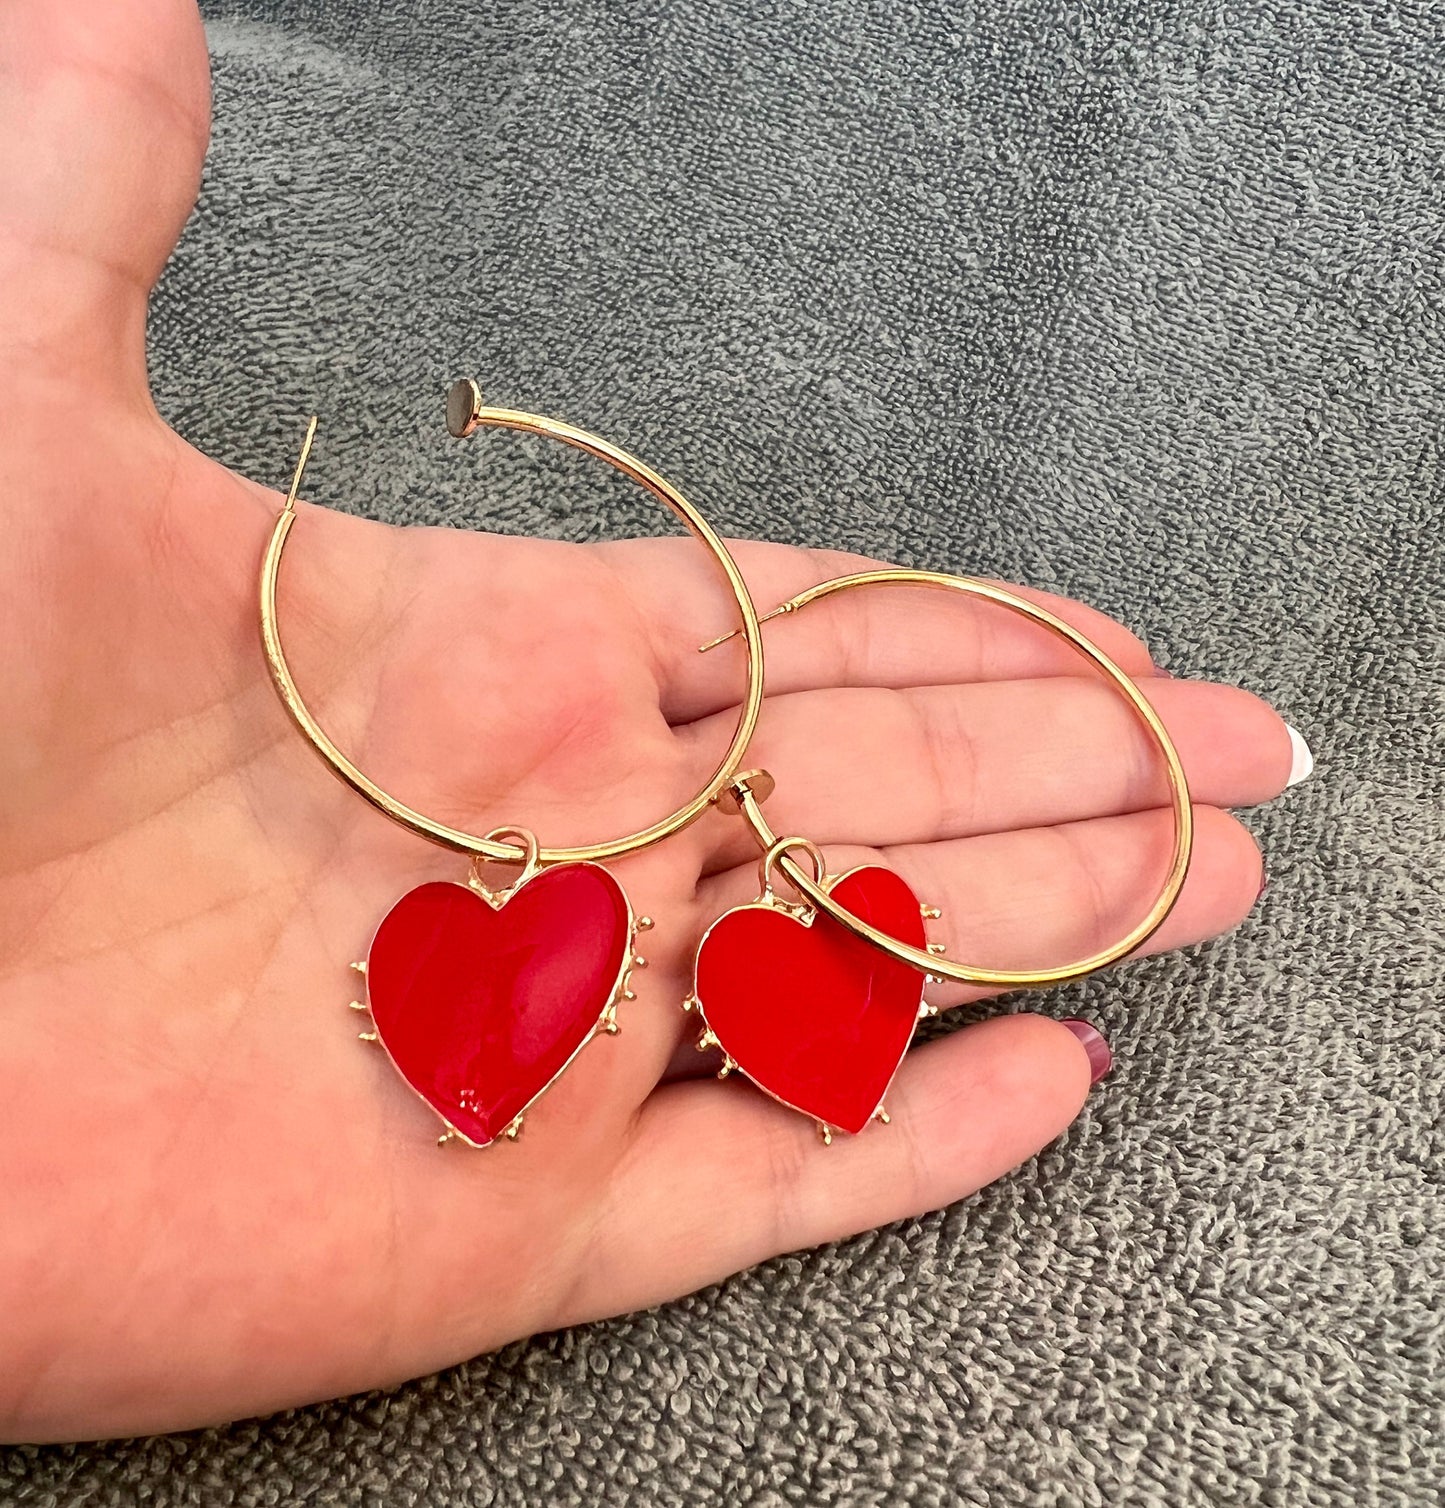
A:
[(213, 1201)]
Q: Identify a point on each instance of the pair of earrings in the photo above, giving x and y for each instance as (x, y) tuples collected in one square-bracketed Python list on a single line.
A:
[(481, 995)]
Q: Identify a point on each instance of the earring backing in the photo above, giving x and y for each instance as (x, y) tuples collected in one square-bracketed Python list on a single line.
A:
[(865, 926), (481, 994)]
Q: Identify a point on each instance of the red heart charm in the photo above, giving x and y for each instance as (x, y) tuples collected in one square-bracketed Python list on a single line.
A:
[(813, 1015), (481, 1006)]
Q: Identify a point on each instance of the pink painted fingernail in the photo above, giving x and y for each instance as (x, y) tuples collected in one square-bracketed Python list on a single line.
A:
[(1101, 1060)]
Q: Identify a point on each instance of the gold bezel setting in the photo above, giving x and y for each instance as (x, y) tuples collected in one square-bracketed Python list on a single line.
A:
[(804, 914), (606, 1023)]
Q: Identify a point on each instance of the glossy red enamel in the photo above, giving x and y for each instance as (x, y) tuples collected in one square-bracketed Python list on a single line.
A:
[(481, 1008), (811, 1013)]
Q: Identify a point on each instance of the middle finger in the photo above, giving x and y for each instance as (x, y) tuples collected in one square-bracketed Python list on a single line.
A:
[(877, 767)]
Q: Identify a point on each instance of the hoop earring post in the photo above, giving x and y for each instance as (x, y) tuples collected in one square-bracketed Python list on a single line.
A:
[(465, 413), (747, 792)]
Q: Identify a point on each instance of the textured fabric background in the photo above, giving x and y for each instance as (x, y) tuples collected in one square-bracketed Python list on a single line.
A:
[(1139, 301)]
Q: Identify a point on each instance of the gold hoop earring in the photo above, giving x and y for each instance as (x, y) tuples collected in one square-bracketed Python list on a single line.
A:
[(478, 1031), (867, 928)]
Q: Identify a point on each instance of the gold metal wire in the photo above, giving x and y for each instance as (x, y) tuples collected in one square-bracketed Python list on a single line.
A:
[(742, 797), (486, 847)]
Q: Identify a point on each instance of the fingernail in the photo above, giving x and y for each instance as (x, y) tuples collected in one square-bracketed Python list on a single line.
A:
[(1263, 886), (1302, 762), (1167, 675), (1101, 1060)]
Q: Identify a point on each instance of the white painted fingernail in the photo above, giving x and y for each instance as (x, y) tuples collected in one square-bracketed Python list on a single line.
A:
[(1302, 762)]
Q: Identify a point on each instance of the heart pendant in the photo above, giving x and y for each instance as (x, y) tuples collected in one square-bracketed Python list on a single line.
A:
[(482, 998), (811, 1014)]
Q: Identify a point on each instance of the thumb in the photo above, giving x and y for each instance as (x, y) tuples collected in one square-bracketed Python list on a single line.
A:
[(104, 118)]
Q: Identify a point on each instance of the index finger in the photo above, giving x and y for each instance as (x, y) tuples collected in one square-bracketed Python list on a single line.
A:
[(893, 639)]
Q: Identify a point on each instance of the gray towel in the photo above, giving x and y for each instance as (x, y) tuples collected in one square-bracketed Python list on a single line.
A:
[(1139, 301)]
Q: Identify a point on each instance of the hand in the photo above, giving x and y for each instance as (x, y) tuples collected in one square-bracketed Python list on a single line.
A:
[(215, 1202)]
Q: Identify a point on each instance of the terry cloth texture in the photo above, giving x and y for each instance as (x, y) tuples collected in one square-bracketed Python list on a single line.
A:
[(1139, 301)]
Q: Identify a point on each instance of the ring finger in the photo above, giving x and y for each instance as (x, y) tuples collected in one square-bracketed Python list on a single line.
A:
[(1044, 896)]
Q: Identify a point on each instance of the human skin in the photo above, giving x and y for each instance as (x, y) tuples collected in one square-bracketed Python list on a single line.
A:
[(213, 1202)]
